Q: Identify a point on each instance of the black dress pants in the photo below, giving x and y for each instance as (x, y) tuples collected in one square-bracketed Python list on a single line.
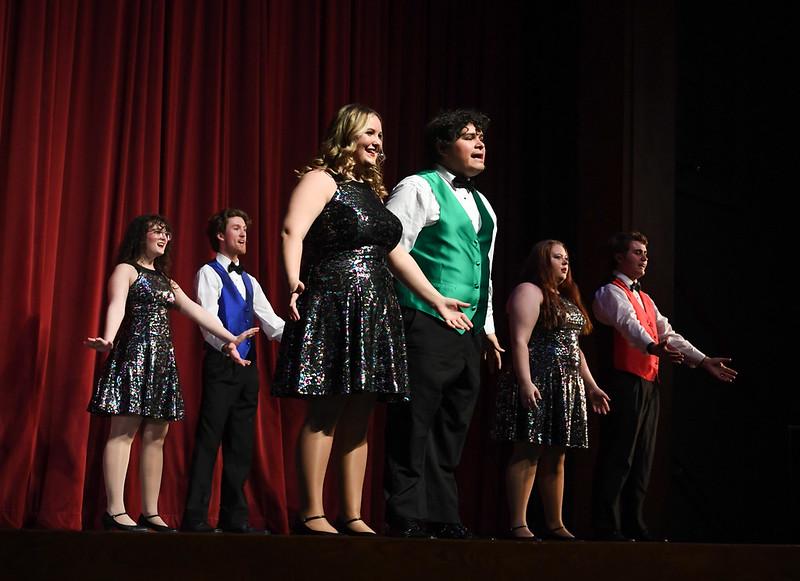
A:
[(425, 437), (227, 416), (625, 456)]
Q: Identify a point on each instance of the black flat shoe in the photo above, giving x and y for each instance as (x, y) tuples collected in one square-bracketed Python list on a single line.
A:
[(451, 530), (144, 521), (300, 528), (110, 524), (409, 529), (552, 536), (512, 537), (344, 528)]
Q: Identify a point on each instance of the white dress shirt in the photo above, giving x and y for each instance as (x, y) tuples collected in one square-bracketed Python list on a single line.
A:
[(414, 203), (209, 288), (612, 307)]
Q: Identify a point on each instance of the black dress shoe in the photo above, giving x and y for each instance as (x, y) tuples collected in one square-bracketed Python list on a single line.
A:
[(144, 521), (646, 536), (344, 528), (451, 530), (560, 534), (409, 529), (300, 528), (198, 527), (612, 536), (110, 524), (243, 529), (510, 536)]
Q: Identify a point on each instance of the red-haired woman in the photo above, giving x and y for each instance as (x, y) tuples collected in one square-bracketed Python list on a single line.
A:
[(541, 405)]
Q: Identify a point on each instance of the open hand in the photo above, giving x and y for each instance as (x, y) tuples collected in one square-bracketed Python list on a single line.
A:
[(717, 368), (98, 344), (493, 353), (599, 401), (529, 396), (450, 310)]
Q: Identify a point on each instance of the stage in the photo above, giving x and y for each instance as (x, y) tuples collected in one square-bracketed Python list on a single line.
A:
[(29, 554)]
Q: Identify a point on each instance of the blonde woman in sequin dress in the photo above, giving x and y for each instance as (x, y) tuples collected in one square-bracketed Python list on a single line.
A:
[(139, 386), (541, 404), (343, 345)]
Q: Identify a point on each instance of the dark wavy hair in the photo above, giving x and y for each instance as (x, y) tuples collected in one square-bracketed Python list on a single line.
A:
[(339, 145), (219, 222), (620, 242), (444, 129), (538, 270), (133, 243)]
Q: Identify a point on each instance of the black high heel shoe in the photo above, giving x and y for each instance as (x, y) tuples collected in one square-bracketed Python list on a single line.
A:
[(344, 528), (301, 529), (512, 537), (144, 521), (110, 524)]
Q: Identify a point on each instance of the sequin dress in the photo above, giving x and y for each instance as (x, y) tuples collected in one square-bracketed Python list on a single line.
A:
[(560, 419), (349, 338), (140, 376)]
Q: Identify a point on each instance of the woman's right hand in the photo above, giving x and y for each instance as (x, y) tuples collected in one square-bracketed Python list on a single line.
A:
[(296, 289), (98, 344), (529, 396)]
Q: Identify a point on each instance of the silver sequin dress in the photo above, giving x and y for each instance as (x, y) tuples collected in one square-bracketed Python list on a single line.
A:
[(349, 338), (560, 419), (140, 376)]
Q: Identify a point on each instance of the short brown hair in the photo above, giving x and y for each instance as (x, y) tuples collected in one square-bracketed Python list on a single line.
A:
[(219, 221)]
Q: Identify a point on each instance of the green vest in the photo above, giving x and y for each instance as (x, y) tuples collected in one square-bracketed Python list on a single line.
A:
[(453, 257)]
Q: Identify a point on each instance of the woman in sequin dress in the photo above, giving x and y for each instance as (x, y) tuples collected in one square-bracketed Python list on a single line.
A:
[(139, 385), (541, 404), (343, 346)]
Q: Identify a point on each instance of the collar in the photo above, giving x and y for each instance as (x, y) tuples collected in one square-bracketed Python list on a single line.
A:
[(624, 278), (224, 260)]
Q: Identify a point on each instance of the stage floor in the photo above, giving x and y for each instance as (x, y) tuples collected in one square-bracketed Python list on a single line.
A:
[(28, 554)]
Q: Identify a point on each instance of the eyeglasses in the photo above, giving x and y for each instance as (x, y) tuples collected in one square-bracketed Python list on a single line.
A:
[(161, 232)]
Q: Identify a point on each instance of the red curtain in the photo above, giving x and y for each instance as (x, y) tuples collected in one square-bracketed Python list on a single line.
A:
[(113, 109)]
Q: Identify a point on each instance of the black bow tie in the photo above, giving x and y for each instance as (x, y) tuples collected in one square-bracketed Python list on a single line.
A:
[(635, 286), (466, 183), (235, 268)]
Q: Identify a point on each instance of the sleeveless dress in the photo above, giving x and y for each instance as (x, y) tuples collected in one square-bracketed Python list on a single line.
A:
[(140, 376), (560, 419), (349, 338)]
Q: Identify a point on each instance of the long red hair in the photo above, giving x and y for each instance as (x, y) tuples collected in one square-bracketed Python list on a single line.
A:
[(538, 269)]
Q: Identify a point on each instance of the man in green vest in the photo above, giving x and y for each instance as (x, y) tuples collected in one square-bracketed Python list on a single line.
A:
[(449, 228)]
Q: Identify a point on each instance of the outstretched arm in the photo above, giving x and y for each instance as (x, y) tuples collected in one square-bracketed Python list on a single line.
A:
[(408, 271)]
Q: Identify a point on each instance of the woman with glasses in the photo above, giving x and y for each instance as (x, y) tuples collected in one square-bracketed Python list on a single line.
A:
[(138, 387)]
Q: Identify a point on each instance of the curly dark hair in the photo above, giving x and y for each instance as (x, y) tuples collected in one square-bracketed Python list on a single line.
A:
[(444, 129), (336, 151), (133, 242), (219, 221), (538, 270)]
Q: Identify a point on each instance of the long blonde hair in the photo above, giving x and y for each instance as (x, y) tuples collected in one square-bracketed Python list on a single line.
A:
[(339, 145)]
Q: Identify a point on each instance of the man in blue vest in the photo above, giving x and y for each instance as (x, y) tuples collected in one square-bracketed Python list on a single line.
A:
[(449, 228), (230, 392)]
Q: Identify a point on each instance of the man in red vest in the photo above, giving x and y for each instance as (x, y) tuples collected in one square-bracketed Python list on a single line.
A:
[(642, 336)]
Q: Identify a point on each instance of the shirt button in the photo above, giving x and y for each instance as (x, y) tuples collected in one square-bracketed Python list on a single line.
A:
[(477, 286)]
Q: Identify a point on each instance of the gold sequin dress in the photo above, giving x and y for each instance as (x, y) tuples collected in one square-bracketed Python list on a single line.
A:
[(349, 338), (560, 419)]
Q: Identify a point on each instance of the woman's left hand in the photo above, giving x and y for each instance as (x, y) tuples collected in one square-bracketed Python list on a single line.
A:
[(98, 344), (450, 310), (599, 400)]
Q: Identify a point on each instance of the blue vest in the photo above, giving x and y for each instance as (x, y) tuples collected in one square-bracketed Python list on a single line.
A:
[(235, 312)]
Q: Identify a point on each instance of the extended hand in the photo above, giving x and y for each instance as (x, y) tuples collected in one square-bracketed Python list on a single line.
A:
[(296, 290), (450, 310), (717, 368), (529, 396), (664, 351), (98, 344), (599, 400), (231, 351), (493, 353)]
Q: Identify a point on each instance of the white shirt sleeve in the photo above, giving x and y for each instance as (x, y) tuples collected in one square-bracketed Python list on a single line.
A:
[(268, 320), (666, 333), (209, 288), (414, 203)]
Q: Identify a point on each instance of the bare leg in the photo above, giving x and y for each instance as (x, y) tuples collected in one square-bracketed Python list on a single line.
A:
[(115, 463), (551, 487), (152, 458), (313, 452), (351, 455), (520, 475)]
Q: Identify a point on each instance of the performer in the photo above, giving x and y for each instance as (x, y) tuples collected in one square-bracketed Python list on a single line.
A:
[(139, 384), (541, 405), (230, 392), (343, 346), (449, 229), (642, 336)]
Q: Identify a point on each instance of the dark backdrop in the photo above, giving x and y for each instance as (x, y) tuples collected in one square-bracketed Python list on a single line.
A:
[(112, 109)]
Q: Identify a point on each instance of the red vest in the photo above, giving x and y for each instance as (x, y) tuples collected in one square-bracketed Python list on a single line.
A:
[(626, 357)]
